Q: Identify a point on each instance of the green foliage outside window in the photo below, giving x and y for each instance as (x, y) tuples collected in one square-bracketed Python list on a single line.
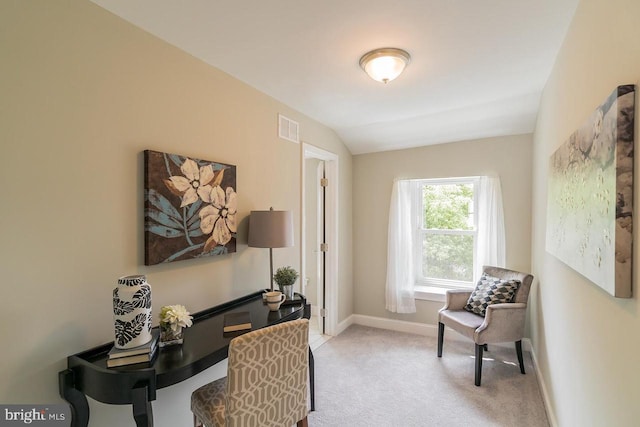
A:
[(448, 207), (448, 256)]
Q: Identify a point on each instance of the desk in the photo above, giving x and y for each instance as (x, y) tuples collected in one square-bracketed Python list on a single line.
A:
[(204, 346)]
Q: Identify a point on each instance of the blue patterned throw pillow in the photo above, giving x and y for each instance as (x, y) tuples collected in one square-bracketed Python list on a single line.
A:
[(491, 290)]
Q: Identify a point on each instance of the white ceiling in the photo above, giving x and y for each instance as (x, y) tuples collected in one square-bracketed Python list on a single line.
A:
[(477, 69)]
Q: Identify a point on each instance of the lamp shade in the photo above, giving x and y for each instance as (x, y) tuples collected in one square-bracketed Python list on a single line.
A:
[(270, 229)]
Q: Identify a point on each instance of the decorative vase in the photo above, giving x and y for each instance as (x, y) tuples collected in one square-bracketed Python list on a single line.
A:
[(287, 290), (170, 337), (132, 312)]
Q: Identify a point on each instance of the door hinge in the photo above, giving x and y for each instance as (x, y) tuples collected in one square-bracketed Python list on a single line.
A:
[(323, 312), (324, 182), (324, 247)]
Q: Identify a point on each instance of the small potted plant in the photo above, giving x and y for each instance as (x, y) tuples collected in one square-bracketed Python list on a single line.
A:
[(173, 319), (285, 277)]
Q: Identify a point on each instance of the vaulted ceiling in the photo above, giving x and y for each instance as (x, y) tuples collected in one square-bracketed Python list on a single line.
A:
[(477, 67)]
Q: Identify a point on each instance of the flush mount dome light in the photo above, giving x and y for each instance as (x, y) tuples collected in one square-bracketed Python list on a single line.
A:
[(385, 64)]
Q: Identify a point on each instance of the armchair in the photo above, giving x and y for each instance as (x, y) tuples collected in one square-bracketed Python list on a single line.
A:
[(503, 322)]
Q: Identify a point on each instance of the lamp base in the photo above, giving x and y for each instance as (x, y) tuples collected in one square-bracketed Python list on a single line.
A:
[(271, 268)]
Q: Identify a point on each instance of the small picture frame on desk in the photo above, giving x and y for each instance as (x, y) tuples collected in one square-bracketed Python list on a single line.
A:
[(297, 299)]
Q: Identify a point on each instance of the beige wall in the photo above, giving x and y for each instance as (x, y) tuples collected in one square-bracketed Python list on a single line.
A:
[(586, 342), (509, 157), (83, 94)]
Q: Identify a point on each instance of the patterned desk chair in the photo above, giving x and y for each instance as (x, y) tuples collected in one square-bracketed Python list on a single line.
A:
[(266, 382)]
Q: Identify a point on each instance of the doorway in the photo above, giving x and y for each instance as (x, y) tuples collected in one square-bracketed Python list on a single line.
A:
[(319, 236)]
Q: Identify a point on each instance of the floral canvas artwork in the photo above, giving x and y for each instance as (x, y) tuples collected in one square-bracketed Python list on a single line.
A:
[(590, 196), (190, 208)]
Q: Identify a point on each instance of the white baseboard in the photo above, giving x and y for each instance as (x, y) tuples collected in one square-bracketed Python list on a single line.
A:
[(340, 327), (417, 328), (397, 325), (551, 415)]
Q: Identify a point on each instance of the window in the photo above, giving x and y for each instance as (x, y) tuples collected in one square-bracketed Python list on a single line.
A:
[(441, 232), (446, 232)]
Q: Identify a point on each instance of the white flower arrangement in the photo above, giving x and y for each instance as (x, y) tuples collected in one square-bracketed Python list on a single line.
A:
[(175, 317)]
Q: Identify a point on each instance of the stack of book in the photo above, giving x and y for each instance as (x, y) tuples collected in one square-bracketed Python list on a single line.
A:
[(130, 356)]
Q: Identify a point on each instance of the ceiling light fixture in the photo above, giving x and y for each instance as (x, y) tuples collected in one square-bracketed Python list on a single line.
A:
[(385, 64)]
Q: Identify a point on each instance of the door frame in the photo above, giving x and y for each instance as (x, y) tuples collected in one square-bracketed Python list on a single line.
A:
[(331, 229)]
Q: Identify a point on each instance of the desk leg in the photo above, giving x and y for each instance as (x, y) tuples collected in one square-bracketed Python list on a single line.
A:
[(142, 411), (77, 400), (311, 381)]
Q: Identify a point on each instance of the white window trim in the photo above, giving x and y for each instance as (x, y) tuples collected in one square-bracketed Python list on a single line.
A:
[(430, 293), (434, 289)]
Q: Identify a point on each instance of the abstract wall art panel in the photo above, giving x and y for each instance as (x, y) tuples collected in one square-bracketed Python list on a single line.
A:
[(590, 196), (190, 208)]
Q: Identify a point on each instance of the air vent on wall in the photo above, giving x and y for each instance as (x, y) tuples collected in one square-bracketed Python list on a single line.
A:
[(288, 129)]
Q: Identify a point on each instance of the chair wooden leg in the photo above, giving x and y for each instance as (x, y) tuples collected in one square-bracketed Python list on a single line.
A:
[(519, 352), (303, 422), (440, 337), (479, 351)]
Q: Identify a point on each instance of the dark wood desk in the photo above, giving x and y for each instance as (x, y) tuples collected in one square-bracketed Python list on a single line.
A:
[(204, 346)]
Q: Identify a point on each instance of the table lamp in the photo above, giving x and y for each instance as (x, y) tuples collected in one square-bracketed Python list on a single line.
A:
[(270, 229)]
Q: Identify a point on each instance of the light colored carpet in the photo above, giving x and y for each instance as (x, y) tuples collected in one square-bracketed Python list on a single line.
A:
[(375, 377)]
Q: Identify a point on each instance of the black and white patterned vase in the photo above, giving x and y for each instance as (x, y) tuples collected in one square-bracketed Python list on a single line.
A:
[(132, 312)]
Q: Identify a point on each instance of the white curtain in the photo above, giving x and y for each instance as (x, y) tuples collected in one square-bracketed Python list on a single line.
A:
[(490, 245), (403, 222), (400, 265)]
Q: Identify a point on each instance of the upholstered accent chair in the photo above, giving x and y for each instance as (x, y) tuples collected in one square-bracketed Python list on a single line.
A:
[(266, 382), (503, 322)]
